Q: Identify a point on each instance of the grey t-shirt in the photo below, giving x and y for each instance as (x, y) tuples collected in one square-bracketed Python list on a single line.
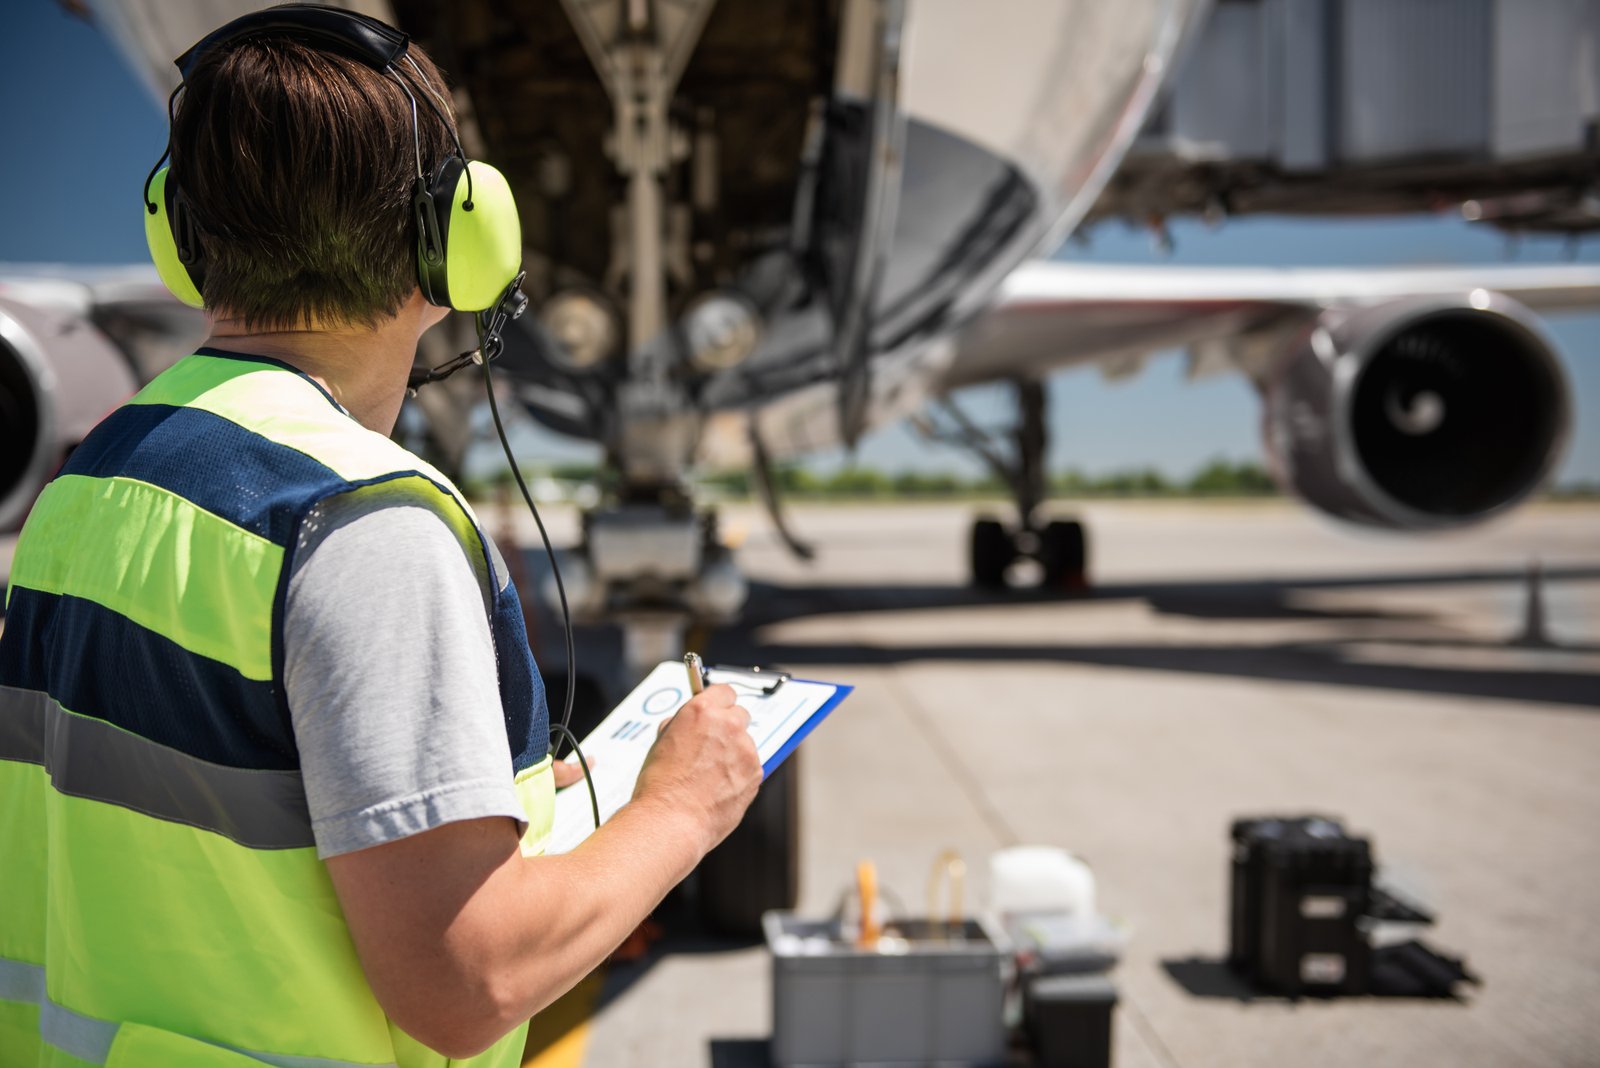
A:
[(390, 674)]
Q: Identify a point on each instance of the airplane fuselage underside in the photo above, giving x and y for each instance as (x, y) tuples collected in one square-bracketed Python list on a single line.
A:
[(848, 179), (792, 207)]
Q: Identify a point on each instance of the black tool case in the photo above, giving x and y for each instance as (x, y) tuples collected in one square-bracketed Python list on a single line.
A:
[(1300, 885)]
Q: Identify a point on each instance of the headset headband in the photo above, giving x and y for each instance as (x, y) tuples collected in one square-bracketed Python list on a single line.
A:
[(350, 33), (358, 36)]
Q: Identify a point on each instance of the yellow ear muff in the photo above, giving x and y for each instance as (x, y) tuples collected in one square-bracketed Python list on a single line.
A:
[(163, 245), (483, 243)]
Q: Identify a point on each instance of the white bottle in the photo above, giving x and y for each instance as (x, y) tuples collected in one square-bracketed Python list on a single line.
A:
[(1037, 879)]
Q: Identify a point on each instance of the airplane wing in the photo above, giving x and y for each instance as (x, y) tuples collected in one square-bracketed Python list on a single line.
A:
[(126, 303), (1408, 399), (1049, 316), (74, 343)]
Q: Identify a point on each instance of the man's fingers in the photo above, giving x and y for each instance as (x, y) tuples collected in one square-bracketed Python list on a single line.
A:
[(567, 774), (710, 699), (719, 696)]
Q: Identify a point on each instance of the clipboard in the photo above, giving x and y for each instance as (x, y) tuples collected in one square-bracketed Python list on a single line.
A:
[(783, 712)]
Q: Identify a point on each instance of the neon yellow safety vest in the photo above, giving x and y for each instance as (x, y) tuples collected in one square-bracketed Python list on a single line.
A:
[(161, 900)]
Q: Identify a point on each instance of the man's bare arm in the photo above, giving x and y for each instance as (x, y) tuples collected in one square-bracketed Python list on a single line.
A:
[(462, 938)]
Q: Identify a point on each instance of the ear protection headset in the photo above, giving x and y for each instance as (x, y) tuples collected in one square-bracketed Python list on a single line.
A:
[(469, 240)]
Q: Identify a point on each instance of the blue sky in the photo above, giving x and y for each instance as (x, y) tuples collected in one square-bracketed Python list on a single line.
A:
[(81, 133)]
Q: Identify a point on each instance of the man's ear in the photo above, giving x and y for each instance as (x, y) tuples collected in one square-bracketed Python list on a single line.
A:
[(428, 315)]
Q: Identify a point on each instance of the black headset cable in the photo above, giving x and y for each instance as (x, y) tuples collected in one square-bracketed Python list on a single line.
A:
[(489, 344)]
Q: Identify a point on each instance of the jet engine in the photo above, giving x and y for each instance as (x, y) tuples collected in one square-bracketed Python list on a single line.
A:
[(1418, 414), (59, 376)]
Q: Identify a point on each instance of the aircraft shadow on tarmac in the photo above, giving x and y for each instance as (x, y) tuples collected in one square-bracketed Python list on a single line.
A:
[(1541, 677), (1204, 598)]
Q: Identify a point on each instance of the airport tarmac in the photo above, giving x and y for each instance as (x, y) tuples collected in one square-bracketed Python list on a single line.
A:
[(1232, 659)]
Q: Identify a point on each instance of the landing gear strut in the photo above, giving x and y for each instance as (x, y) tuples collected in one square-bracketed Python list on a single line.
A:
[(1061, 547), (658, 568)]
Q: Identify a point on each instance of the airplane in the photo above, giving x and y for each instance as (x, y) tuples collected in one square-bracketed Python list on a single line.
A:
[(758, 228)]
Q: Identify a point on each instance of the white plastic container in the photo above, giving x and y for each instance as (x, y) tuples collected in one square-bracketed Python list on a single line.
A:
[(1036, 879)]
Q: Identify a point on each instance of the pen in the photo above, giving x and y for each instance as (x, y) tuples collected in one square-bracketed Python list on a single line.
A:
[(697, 672)]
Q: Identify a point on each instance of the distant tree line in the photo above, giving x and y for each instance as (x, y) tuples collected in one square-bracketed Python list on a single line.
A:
[(1576, 491), (1219, 478)]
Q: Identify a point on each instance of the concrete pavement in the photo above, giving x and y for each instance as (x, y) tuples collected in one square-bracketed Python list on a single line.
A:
[(1234, 659)]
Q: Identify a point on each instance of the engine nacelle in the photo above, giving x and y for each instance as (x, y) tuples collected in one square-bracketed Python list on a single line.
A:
[(1419, 414), (59, 376)]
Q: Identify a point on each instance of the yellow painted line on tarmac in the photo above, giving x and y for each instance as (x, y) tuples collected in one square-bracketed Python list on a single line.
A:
[(558, 1036)]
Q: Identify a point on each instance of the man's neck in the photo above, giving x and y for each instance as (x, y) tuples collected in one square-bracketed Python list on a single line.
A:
[(364, 369)]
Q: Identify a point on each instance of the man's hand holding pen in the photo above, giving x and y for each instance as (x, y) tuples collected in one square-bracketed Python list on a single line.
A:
[(706, 766)]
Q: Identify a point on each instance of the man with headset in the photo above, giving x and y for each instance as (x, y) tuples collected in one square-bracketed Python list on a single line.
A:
[(274, 756)]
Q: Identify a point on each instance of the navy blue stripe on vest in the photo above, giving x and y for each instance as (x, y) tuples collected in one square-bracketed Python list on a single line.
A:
[(522, 694), (98, 663), (229, 471)]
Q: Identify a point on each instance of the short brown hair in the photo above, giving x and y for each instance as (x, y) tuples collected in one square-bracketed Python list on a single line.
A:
[(299, 165)]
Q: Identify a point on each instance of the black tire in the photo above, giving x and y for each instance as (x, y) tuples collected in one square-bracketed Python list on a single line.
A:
[(992, 552), (757, 867), (1064, 554)]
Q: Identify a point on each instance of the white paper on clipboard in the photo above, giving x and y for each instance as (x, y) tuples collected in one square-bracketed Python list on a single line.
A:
[(617, 747)]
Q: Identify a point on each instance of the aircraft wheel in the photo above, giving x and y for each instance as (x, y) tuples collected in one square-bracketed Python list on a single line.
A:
[(757, 867), (1064, 553), (992, 552)]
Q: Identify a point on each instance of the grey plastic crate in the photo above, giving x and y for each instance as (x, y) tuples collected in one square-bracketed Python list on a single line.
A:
[(938, 1003)]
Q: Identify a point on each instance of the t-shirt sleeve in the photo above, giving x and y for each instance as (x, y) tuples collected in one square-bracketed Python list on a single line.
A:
[(390, 676)]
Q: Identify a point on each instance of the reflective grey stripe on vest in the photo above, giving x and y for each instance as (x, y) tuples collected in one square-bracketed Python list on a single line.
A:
[(284, 1060), (90, 1039), (92, 759), (82, 1036)]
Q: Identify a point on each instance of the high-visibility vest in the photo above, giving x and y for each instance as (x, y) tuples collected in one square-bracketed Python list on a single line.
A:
[(161, 900)]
